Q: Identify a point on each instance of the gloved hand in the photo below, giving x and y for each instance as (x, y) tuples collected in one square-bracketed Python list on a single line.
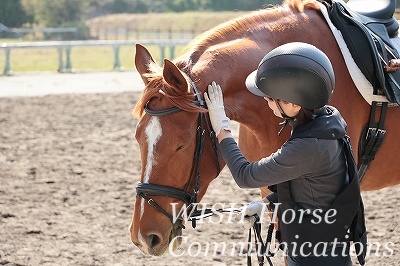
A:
[(216, 110), (247, 215)]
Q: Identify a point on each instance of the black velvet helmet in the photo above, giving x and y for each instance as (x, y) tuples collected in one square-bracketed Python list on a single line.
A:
[(295, 72)]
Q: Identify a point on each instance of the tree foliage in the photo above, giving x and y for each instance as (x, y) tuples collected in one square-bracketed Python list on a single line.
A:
[(12, 14), (53, 13)]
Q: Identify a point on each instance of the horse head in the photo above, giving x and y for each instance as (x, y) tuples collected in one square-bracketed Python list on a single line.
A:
[(171, 105)]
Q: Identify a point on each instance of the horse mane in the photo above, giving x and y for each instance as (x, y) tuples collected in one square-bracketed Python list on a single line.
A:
[(239, 27), (229, 30)]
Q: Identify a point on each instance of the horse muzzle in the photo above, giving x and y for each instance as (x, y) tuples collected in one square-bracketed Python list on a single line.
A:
[(154, 241)]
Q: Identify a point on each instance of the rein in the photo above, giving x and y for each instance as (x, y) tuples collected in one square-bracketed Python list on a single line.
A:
[(262, 249)]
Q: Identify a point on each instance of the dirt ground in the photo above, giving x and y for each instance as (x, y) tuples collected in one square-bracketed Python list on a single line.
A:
[(69, 166)]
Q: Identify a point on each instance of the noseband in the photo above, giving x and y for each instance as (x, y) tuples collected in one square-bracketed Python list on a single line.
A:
[(144, 190)]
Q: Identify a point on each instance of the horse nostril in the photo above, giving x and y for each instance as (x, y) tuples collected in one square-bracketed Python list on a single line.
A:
[(154, 240)]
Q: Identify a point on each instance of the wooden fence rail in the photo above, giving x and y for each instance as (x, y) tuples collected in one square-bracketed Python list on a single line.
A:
[(64, 47)]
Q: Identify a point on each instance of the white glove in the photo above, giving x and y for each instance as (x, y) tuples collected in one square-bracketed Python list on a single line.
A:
[(216, 110), (247, 215)]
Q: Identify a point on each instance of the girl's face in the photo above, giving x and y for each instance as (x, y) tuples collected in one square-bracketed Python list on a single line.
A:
[(290, 109)]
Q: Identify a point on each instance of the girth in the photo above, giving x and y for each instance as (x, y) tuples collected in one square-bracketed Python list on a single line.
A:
[(372, 138)]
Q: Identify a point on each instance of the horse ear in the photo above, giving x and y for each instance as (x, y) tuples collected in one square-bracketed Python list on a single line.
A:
[(173, 76), (143, 62)]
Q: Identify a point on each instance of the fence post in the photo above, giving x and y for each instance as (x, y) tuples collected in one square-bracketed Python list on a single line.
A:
[(117, 64), (68, 63), (162, 53), (172, 51), (76, 34), (61, 67), (7, 68)]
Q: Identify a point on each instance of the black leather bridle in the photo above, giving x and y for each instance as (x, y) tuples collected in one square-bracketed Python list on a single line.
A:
[(145, 190)]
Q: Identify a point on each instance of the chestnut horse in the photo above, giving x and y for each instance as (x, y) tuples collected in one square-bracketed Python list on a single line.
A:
[(170, 109)]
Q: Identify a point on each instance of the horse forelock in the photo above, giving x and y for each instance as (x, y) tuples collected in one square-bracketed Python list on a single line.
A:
[(151, 89), (157, 86)]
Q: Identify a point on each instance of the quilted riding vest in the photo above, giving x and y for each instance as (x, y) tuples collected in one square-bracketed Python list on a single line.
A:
[(315, 234)]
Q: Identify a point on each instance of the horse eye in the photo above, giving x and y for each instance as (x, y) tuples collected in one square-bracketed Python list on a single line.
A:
[(180, 148)]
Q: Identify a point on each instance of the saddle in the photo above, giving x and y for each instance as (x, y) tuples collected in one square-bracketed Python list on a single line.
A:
[(367, 28)]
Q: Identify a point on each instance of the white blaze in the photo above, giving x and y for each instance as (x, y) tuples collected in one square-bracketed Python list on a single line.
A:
[(153, 133)]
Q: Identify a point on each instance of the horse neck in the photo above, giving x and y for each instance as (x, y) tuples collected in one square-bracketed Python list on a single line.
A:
[(229, 55)]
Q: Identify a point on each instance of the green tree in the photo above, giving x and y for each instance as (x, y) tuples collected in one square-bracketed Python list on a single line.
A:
[(54, 13), (184, 5), (12, 13)]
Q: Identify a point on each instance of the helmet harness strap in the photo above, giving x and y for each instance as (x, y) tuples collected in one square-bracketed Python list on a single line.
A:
[(285, 116)]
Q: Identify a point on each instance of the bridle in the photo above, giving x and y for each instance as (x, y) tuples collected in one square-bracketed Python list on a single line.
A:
[(145, 190)]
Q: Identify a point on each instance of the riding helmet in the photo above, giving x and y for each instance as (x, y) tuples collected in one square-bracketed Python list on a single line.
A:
[(295, 72)]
